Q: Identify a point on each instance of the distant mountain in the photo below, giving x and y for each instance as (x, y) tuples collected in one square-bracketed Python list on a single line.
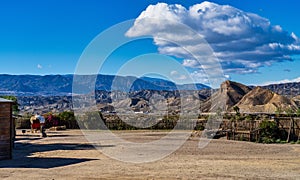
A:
[(143, 100), (52, 93), (56, 85), (230, 93), (286, 89), (264, 100), (168, 84), (254, 99), (36, 85)]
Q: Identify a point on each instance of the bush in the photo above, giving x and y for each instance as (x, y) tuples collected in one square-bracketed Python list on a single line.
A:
[(68, 119), (269, 132), (65, 118), (199, 127)]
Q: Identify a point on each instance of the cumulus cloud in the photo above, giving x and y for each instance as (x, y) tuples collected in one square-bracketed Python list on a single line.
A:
[(39, 66), (177, 75), (242, 41)]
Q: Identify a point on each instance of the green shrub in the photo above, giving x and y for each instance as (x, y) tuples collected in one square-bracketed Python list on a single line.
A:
[(267, 140), (269, 132), (68, 119), (282, 142), (199, 127)]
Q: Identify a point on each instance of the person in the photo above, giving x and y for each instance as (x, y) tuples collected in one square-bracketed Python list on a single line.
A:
[(38, 122), (35, 124), (42, 123)]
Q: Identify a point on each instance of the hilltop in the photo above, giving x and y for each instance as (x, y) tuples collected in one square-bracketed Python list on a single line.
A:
[(229, 93), (258, 99), (264, 100)]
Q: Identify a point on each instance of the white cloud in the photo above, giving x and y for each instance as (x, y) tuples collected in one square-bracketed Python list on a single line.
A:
[(281, 81), (200, 76), (294, 36), (278, 28), (191, 63), (174, 73), (227, 76), (39, 66), (177, 75), (242, 41)]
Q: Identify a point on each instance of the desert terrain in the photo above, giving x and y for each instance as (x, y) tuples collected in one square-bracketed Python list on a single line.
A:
[(68, 155)]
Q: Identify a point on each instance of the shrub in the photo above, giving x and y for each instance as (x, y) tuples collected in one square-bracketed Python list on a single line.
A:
[(199, 127), (269, 132), (68, 119)]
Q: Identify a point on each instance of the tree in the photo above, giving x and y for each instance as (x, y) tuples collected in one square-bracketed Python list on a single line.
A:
[(269, 131), (15, 106), (68, 118), (237, 110)]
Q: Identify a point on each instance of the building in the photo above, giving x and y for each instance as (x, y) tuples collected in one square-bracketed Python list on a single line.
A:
[(6, 129)]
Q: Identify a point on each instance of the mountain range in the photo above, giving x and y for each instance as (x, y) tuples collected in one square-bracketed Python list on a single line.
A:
[(53, 93), (58, 85)]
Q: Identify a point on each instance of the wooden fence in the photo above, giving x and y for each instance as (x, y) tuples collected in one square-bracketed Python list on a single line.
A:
[(249, 130)]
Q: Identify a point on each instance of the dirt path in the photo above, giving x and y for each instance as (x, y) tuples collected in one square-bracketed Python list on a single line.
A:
[(67, 155)]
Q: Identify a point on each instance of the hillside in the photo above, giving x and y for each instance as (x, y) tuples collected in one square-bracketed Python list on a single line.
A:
[(286, 89), (257, 99), (229, 93), (144, 100), (264, 100), (296, 99)]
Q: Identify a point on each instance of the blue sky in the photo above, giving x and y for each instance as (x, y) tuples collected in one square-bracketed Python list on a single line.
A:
[(48, 37)]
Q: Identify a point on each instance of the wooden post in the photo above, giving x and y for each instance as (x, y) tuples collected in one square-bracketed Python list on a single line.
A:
[(290, 129), (249, 135), (6, 129), (293, 127), (227, 135)]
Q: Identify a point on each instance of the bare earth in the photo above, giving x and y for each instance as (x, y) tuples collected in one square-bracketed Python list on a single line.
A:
[(68, 155)]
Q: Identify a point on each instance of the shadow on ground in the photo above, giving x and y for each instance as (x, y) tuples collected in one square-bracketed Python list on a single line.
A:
[(23, 151)]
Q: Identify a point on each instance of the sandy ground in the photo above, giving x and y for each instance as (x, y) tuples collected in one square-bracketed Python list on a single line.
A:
[(68, 155)]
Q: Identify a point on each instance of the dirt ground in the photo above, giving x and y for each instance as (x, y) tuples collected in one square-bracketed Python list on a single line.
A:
[(68, 155)]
